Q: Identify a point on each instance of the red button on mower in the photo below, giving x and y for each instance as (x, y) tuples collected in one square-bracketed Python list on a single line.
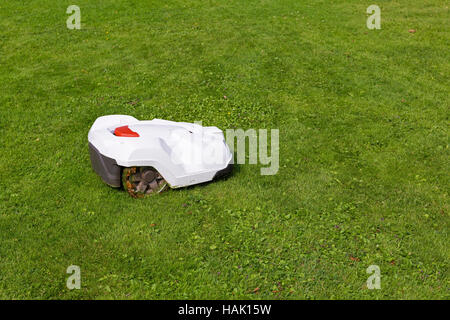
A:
[(125, 132)]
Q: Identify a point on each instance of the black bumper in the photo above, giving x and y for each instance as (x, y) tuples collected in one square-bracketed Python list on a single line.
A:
[(105, 167), (224, 172)]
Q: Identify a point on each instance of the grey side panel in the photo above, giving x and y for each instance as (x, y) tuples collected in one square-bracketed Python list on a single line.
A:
[(105, 167)]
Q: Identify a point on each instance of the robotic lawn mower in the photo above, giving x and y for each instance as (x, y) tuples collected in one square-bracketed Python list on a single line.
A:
[(146, 157)]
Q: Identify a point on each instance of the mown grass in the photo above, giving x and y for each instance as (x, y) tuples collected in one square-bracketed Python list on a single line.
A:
[(364, 157)]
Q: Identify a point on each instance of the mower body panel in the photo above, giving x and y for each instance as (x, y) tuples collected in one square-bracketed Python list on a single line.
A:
[(183, 153)]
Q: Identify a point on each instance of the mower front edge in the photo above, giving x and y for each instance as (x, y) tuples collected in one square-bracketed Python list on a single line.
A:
[(105, 167)]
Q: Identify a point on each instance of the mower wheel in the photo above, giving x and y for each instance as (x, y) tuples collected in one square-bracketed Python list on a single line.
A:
[(143, 181)]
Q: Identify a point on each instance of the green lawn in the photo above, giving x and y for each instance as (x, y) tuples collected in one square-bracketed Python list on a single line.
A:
[(364, 149)]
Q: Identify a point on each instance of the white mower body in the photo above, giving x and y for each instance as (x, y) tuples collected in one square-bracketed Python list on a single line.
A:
[(183, 153)]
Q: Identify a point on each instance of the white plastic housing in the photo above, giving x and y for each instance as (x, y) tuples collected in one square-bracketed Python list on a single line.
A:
[(183, 153)]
